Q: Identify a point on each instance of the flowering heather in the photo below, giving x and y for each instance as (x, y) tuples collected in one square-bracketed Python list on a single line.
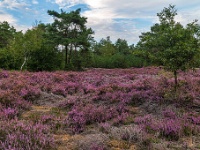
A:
[(9, 112), (143, 119), (169, 113), (20, 135), (98, 97), (4, 74), (105, 127), (171, 129), (170, 125), (80, 116)]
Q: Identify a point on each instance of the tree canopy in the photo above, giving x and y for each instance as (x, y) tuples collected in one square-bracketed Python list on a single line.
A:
[(7, 33), (69, 30), (171, 44)]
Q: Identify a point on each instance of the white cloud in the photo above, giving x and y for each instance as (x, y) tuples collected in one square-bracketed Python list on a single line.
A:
[(125, 29), (12, 4), (12, 21), (118, 19), (185, 17), (7, 17), (67, 3), (102, 15), (35, 2), (122, 19), (22, 28)]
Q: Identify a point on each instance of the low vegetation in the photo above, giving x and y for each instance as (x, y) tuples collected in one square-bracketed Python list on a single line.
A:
[(120, 108)]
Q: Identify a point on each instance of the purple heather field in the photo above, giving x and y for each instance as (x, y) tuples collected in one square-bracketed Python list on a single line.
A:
[(99, 109)]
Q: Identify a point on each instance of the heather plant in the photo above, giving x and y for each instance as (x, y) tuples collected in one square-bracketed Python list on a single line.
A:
[(169, 113), (69, 103), (171, 129), (97, 147), (55, 123), (104, 127), (106, 98), (30, 93), (3, 74), (143, 119), (93, 142), (59, 90), (25, 135), (80, 116), (130, 133), (171, 126), (9, 99), (45, 119), (9, 113), (192, 117), (120, 119)]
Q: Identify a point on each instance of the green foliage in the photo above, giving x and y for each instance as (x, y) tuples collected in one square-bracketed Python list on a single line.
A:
[(43, 55), (122, 46), (68, 44), (86, 58), (118, 55), (16, 50), (5, 59), (6, 34), (171, 44), (144, 56), (105, 47), (44, 59), (197, 61), (117, 61), (69, 30), (9, 56)]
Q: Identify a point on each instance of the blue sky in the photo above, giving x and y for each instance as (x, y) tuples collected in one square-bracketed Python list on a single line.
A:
[(124, 19)]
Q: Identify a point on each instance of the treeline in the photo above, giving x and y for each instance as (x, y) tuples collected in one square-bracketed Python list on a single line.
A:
[(67, 44), (105, 54)]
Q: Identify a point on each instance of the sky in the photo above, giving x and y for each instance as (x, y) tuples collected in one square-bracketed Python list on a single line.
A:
[(125, 19)]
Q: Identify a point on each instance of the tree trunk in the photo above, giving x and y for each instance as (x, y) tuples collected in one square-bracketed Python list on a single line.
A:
[(70, 53), (25, 59)]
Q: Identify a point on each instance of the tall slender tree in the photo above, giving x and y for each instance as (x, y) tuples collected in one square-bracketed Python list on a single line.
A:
[(70, 31)]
